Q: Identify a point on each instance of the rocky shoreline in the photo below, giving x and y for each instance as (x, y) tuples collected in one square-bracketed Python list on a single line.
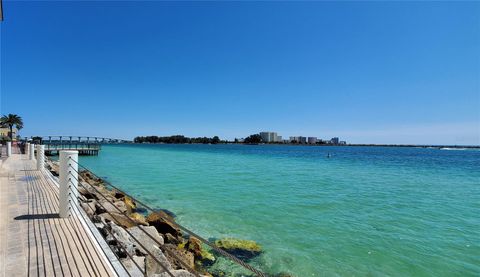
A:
[(119, 218)]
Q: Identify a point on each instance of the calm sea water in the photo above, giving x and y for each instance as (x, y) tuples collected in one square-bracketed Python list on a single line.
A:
[(365, 211)]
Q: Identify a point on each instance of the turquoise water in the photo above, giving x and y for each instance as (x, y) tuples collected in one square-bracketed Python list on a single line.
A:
[(366, 211)]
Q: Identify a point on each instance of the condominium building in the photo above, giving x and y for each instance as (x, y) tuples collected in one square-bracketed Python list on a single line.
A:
[(312, 140), (270, 137), (334, 140), (294, 139)]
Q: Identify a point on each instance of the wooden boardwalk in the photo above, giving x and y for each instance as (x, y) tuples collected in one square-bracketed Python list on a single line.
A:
[(34, 241)]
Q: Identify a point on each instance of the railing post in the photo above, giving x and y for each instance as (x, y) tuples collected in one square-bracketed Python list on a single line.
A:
[(31, 151), (40, 156), (27, 148), (9, 148), (68, 181)]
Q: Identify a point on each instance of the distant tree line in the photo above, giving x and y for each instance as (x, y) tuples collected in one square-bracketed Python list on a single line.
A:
[(253, 139), (177, 139)]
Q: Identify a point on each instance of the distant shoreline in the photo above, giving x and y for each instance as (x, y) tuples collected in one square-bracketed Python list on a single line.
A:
[(345, 145), (376, 145)]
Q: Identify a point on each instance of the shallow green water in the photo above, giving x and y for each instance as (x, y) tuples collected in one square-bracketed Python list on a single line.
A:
[(366, 211)]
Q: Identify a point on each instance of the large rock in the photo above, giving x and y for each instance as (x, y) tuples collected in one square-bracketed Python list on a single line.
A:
[(141, 210), (169, 238), (89, 207), (243, 249), (176, 273), (99, 192), (201, 254), (117, 194), (110, 206), (119, 237), (139, 218), (53, 167), (132, 268), (153, 266), (130, 204), (90, 178), (144, 239), (119, 219), (164, 223), (179, 257)]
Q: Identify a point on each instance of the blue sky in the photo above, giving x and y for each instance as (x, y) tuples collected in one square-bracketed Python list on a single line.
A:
[(372, 72)]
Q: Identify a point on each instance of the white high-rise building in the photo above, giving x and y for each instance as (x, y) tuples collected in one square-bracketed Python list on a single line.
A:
[(269, 136)]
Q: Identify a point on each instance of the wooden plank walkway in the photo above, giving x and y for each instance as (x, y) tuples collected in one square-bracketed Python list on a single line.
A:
[(34, 241)]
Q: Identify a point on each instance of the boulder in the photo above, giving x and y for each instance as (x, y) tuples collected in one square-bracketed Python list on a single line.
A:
[(53, 167), (98, 192), (89, 207), (144, 239), (119, 237), (139, 218), (164, 223), (132, 268), (107, 206), (153, 266), (170, 213), (171, 239), (141, 210), (90, 178), (242, 249), (201, 254), (130, 204), (176, 273), (119, 219), (118, 194), (178, 256)]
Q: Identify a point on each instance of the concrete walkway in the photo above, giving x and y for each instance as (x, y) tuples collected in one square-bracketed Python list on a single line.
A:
[(34, 241)]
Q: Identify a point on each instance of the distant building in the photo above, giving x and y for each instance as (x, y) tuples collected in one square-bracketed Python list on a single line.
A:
[(279, 139), (294, 139), (270, 137), (298, 139), (342, 142), (312, 140), (334, 140), (5, 132)]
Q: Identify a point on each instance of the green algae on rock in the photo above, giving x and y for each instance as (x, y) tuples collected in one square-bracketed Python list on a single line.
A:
[(243, 249)]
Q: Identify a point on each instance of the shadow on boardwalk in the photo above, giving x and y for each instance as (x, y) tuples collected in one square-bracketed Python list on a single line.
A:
[(34, 240)]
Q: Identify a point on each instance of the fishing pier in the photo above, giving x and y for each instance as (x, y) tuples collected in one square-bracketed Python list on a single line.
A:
[(86, 146)]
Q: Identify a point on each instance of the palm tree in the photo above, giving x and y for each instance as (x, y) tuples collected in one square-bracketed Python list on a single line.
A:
[(11, 120)]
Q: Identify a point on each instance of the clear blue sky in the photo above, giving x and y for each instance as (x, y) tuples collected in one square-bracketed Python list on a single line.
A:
[(371, 72)]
